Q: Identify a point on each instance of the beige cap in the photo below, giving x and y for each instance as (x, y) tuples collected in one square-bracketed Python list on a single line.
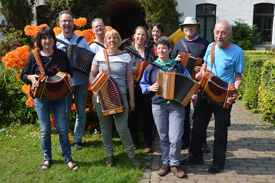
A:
[(190, 20)]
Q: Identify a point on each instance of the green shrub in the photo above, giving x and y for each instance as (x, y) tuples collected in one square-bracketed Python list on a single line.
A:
[(267, 91), (244, 35), (12, 99), (163, 11)]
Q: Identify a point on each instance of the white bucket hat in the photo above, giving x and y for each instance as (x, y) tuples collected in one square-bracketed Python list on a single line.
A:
[(190, 20)]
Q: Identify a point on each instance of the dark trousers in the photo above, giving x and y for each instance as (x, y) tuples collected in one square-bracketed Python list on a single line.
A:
[(202, 115), (141, 101)]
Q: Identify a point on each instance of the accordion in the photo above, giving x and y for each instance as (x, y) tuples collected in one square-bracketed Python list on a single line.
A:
[(139, 69), (108, 92), (80, 58), (190, 63), (216, 89), (52, 87), (125, 43), (176, 36), (174, 86)]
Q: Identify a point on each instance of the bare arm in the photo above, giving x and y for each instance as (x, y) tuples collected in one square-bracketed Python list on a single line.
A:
[(237, 83), (130, 84), (93, 73)]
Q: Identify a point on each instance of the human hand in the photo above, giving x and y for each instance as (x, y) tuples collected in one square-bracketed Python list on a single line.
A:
[(194, 96), (198, 76), (179, 58), (232, 99), (154, 87), (34, 80), (131, 105), (70, 80)]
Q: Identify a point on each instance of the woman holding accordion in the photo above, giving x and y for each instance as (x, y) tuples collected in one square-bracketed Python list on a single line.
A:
[(53, 61), (121, 71), (139, 52)]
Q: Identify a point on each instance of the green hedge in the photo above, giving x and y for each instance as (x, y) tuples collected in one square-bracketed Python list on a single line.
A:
[(257, 90)]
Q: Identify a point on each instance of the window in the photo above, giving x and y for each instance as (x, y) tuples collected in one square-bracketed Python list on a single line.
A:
[(206, 15), (41, 12), (263, 18)]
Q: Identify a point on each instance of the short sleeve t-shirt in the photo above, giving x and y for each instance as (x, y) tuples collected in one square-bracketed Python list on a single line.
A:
[(226, 62), (118, 65)]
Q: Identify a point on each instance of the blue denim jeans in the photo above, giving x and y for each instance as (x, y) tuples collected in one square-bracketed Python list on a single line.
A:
[(80, 100), (169, 120), (42, 108)]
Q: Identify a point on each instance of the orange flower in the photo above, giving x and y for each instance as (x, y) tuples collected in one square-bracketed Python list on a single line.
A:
[(88, 140), (98, 135), (52, 120), (33, 30), (57, 31), (70, 138), (90, 126), (73, 107), (18, 75), (107, 28), (57, 134), (80, 22), (13, 131), (87, 109)]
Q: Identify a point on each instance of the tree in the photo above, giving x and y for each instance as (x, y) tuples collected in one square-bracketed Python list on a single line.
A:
[(80, 8), (18, 13), (163, 11), (244, 35)]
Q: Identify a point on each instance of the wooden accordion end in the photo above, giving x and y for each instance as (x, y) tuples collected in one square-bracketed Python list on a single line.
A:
[(174, 86), (139, 69), (109, 94), (52, 87), (190, 63), (176, 36), (80, 58), (126, 42), (216, 89)]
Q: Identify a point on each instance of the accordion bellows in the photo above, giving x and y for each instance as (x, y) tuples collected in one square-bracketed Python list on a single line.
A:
[(139, 70), (52, 87), (190, 63), (80, 58), (216, 90), (176, 36), (174, 86), (109, 94)]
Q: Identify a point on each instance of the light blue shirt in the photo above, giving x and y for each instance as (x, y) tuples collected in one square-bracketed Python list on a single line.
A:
[(79, 77), (226, 62)]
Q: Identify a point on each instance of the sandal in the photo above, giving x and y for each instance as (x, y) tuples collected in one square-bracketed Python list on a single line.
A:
[(44, 164), (73, 166)]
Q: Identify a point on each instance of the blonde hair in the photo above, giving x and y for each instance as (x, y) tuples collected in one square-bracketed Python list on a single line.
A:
[(112, 32)]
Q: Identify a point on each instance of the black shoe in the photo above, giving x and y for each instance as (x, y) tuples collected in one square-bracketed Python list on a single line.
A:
[(110, 161), (59, 148), (187, 162), (78, 146), (205, 148), (184, 145), (214, 169)]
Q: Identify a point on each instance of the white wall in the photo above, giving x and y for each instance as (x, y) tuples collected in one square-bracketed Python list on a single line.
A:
[(229, 10)]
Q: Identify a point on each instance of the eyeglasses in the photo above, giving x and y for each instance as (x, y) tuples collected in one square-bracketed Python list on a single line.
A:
[(66, 21)]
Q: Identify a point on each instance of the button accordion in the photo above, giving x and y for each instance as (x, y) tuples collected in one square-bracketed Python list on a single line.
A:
[(216, 89), (80, 58), (175, 86), (190, 63), (109, 94), (139, 69), (52, 87)]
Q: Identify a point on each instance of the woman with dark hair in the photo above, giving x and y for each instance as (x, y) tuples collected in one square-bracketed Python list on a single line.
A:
[(156, 31), (53, 61), (139, 52)]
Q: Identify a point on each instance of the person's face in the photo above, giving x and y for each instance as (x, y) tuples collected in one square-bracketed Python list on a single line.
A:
[(190, 30), (140, 37), (156, 33), (66, 23), (47, 42), (112, 41), (163, 51), (222, 34), (98, 27)]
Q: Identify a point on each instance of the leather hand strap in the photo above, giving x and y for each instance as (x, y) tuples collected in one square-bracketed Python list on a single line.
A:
[(39, 62), (212, 54), (106, 59)]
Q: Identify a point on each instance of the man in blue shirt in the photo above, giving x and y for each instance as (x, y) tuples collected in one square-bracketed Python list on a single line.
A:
[(80, 80), (228, 66)]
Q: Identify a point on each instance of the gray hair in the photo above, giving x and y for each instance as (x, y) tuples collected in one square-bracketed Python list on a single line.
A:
[(96, 19)]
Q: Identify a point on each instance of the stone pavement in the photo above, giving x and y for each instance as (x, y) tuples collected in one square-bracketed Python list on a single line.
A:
[(250, 154)]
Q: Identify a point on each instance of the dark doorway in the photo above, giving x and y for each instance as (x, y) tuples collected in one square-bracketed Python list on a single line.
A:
[(126, 21)]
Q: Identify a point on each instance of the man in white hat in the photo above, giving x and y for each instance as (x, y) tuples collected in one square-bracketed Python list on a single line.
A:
[(195, 46)]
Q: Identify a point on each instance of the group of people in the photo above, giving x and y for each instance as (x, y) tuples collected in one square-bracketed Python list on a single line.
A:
[(171, 119)]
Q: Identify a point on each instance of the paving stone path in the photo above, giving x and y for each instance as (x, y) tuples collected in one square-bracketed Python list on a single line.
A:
[(250, 154)]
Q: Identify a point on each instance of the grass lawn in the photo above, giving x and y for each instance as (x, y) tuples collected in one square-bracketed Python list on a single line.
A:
[(21, 156)]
